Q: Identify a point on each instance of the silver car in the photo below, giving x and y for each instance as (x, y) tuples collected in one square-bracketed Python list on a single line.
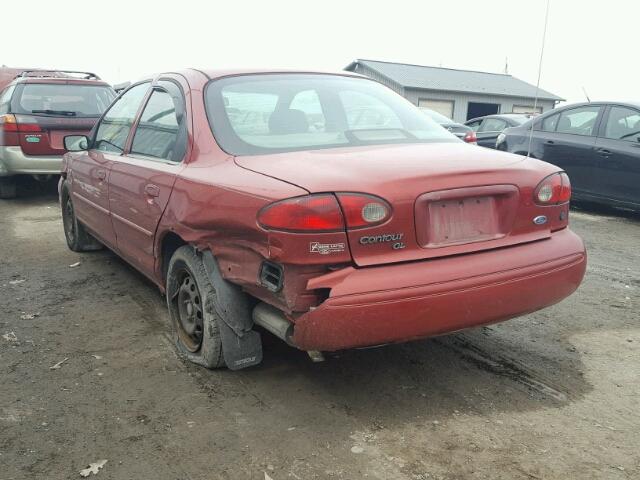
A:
[(37, 110)]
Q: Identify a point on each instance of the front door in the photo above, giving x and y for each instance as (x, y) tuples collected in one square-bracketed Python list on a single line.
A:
[(91, 170), (618, 149), (142, 180), (571, 145)]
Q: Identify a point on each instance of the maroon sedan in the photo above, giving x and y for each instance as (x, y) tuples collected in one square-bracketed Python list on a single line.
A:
[(323, 207)]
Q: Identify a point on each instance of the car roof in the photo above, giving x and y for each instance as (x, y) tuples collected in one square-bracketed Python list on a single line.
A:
[(247, 71), (205, 75), (64, 81), (501, 115), (43, 76), (599, 102)]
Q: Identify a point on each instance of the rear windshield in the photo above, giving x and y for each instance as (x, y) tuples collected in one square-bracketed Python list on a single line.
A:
[(62, 99), (269, 113)]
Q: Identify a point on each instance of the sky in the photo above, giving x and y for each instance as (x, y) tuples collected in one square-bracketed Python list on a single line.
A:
[(590, 44)]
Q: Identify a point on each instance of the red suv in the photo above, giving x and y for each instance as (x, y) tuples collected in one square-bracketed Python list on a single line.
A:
[(37, 110), (325, 208)]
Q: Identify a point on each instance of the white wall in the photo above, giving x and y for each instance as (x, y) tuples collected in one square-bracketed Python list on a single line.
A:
[(461, 100)]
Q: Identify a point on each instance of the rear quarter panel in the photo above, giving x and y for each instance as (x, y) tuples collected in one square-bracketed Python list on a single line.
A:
[(214, 205)]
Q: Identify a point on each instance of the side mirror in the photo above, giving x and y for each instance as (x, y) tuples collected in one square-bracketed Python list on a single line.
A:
[(76, 143)]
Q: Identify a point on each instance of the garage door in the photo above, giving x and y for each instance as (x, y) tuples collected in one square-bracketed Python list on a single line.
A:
[(525, 109), (444, 107)]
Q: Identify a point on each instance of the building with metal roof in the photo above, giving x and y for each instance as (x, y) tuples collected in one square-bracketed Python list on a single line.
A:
[(457, 94)]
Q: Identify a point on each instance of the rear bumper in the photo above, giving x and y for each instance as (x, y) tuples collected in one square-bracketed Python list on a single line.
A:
[(396, 303), (14, 162)]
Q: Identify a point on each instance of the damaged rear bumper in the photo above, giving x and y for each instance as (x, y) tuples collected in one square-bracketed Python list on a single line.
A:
[(396, 303)]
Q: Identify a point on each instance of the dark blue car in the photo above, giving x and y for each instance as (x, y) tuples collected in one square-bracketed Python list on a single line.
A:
[(597, 144)]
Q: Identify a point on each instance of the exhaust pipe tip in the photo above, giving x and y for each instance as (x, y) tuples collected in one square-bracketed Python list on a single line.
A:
[(273, 320)]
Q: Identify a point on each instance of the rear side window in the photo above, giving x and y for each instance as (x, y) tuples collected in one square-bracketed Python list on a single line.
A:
[(623, 124), (160, 132), (62, 99), (474, 125), (493, 125), (548, 124), (114, 127), (5, 99), (578, 121)]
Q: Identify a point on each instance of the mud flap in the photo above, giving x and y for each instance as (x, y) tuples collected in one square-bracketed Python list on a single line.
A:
[(241, 345)]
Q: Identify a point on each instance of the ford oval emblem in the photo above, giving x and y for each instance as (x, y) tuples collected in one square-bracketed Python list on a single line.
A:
[(540, 220)]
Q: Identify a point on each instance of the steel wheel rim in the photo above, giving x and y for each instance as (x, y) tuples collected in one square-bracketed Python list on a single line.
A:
[(188, 307), (69, 224)]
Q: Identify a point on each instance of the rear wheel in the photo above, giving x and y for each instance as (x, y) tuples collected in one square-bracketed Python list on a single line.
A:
[(78, 239), (190, 297), (7, 188)]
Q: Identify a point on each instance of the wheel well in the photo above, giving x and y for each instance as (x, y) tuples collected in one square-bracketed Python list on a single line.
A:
[(170, 243)]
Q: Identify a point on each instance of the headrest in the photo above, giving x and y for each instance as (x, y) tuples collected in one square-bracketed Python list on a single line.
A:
[(286, 121)]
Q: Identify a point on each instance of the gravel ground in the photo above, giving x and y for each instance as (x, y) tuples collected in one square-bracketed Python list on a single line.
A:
[(88, 373)]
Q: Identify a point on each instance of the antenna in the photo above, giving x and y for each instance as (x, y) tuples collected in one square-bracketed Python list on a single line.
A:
[(586, 94), (535, 101), (506, 65)]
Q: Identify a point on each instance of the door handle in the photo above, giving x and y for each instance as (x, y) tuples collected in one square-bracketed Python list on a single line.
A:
[(604, 152), (550, 142), (101, 174), (152, 190)]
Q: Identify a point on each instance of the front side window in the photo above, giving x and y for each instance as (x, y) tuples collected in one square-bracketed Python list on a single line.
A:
[(578, 121), (623, 124), (115, 126), (158, 132), (270, 113), (71, 100)]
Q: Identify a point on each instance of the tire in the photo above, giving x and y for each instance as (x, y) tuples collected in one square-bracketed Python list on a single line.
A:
[(78, 239), (190, 300), (7, 188)]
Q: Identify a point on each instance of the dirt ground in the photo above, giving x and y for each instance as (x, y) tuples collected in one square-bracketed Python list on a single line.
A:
[(553, 395)]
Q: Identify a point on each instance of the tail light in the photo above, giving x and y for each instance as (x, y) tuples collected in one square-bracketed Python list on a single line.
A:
[(312, 213), (362, 210), (553, 190), (323, 213), (12, 125), (470, 137), (8, 131)]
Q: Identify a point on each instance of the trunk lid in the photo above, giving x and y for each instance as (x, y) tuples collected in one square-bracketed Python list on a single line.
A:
[(45, 135), (447, 198)]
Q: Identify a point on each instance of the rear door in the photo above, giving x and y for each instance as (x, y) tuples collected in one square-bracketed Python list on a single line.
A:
[(489, 131), (89, 171), (569, 141), (618, 149), (55, 109), (141, 180)]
